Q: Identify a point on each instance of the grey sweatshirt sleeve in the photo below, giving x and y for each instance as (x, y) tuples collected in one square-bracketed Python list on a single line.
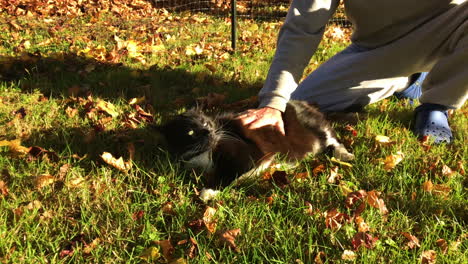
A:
[(298, 40)]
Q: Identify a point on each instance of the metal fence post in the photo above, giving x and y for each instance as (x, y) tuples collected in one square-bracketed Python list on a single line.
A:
[(233, 24)]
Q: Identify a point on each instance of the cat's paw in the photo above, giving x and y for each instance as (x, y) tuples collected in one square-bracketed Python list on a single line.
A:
[(342, 154), (208, 194)]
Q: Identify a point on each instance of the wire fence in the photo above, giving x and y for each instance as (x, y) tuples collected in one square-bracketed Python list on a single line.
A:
[(245, 9)]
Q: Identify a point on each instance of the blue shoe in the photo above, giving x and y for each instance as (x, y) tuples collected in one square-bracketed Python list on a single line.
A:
[(432, 120), (414, 89)]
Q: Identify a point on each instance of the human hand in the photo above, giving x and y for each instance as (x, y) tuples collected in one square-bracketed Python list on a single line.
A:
[(263, 117)]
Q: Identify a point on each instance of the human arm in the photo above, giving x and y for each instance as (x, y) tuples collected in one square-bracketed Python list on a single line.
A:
[(298, 40)]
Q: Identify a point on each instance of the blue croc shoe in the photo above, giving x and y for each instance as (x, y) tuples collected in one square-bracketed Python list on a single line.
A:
[(414, 89), (432, 120)]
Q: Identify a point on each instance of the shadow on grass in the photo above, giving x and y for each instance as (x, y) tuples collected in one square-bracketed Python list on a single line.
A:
[(166, 88)]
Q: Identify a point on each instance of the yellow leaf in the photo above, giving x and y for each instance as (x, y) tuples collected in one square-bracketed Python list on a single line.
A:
[(15, 147), (346, 164), (193, 49), (107, 107), (157, 48), (116, 163), (44, 180), (150, 253), (91, 246), (137, 100), (391, 161)]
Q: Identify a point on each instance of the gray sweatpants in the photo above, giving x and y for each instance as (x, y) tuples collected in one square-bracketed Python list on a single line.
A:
[(358, 76)]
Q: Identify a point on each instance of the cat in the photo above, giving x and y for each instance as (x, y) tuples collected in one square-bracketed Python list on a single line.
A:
[(216, 145)]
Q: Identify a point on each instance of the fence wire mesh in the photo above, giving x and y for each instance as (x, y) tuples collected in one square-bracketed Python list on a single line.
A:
[(247, 9)]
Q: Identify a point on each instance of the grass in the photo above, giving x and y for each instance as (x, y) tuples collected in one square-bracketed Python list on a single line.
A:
[(68, 206)]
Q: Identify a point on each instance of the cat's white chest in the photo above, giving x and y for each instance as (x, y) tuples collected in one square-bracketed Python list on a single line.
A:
[(203, 161)]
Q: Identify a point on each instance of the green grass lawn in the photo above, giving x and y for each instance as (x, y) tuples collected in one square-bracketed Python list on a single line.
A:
[(66, 90)]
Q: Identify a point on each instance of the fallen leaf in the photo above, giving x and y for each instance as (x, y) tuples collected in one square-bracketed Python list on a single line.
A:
[(348, 255), (192, 252), (138, 215), (335, 219), (383, 140), (362, 225), (374, 201), (75, 182), (346, 164), (428, 257), (208, 220), (319, 169), (229, 238), (363, 239), (447, 171), (168, 208), (44, 180), (320, 258), (71, 112), (441, 190), (413, 241), (334, 175), (137, 100), (15, 147), (3, 189), (167, 248), (107, 108), (116, 163), (427, 186), (150, 254), (89, 247), (280, 178), (391, 161), (443, 245)]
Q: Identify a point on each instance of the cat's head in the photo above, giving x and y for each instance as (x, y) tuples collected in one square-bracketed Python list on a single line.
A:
[(190, 134)]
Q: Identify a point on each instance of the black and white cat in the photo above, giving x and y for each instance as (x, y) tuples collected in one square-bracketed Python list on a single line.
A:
[(216, 144)]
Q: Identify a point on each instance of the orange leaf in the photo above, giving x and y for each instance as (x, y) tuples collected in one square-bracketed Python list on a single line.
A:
[(229, 238), (208, 220), (335, 219), (44, 180), (427, 186), (413, 241), (374, 201)]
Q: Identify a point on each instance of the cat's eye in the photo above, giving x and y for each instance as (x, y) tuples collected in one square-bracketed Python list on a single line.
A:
[(205, 124), (191, 132)]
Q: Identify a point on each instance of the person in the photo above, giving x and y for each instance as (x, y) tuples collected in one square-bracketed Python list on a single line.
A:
[(392, 42)]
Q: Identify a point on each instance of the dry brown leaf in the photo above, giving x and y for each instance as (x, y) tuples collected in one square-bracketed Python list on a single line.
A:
[(320, 258), (374, 201), (44, 180), (428, 257), (335, 219), (391, 161), (412, 240), (193, 250), (348, 255), (363, 239), (116, 163), (319, 169), (89, 247), (167, 248), (443, 245), (229, 238), (427, 186), (208, 220), (441, 190)]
